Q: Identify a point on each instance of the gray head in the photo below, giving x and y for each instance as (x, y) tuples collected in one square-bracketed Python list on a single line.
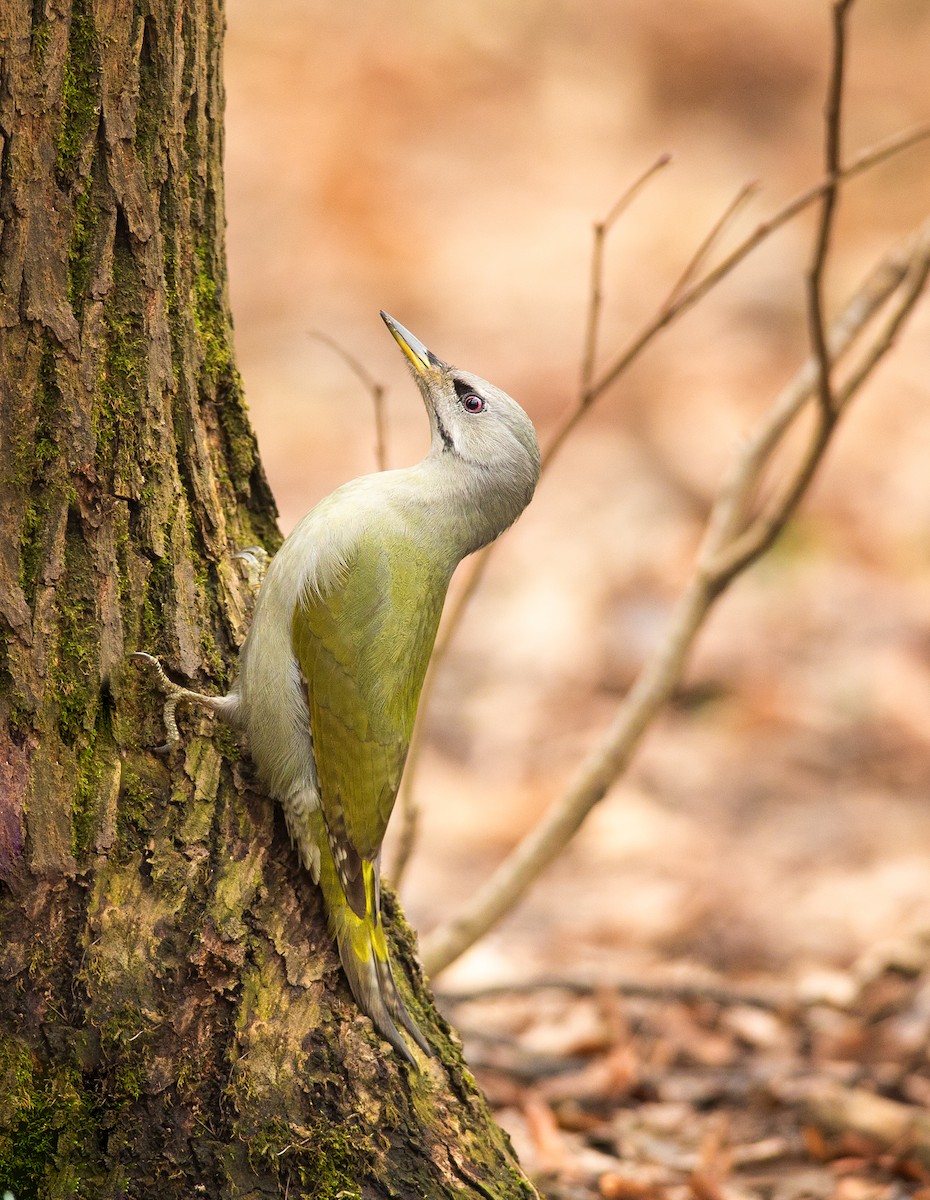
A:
[(474, 421)]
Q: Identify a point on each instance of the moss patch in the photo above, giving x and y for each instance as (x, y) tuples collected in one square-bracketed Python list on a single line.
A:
[(83, 809), (80, 257), (41, 36), (44, 1119), (76, 666), (210, 317), (123, 378), (159, 594), (37, 464), (150, 112), (80, 92), (136, 796), (322, 1158)]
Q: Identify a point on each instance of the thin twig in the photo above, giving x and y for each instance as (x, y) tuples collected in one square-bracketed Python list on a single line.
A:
[(915, 279), (766, 528), (688, 991), (661, 672), (758, 537), (728, 547), (596, 291), (815, 278), (736, 494), (699, 257), (376, 390)]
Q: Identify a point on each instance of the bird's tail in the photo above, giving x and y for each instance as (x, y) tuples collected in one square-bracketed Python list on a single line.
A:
[(365, 960)]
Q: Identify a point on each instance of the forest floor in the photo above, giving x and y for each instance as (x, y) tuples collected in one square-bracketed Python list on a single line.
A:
[(685, 1085)]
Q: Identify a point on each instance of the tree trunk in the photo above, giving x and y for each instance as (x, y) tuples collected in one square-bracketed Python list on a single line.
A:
[(173, 1020)]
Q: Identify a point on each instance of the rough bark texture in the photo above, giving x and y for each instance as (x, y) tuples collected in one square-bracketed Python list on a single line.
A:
[(173, 1021)]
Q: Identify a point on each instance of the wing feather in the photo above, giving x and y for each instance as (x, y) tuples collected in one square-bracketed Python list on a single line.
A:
[(363, 646)]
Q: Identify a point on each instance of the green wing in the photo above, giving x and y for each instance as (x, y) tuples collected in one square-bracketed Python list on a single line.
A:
[(363, 648)]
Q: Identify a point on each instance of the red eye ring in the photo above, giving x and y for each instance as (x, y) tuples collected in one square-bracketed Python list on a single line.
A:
[(472, 403)]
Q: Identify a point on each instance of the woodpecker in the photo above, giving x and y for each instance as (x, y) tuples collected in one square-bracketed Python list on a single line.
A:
[(331, 670)]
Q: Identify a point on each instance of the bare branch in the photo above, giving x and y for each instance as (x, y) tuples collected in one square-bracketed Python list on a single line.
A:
[(906, 274), (376, 390), (730, 514), (767, 528), (815, 276), (724, 553)]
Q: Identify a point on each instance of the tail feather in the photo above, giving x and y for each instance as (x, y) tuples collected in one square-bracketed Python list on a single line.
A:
[(395, 1006), (364, 953), (364, 976)]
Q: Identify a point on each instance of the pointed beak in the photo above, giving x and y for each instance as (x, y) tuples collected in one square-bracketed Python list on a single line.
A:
[(423, 360)]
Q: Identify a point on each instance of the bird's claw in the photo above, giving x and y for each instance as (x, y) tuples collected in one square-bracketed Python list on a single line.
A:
[(172, 693), (255, 560)]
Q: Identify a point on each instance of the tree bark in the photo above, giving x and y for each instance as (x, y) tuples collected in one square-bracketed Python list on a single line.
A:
[(173, 1020)]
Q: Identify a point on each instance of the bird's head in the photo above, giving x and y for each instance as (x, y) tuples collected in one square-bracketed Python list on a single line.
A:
[(471, 418)]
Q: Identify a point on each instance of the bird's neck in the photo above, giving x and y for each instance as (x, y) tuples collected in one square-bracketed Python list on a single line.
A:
[(464, 507)]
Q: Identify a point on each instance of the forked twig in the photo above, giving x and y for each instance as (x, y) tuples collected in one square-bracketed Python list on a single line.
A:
[(700, 256), (763, 532), (598, 244), (905, 273), (727, 524), (699, 289)]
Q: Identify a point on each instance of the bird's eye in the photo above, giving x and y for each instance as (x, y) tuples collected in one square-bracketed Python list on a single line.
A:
[(472, 403)]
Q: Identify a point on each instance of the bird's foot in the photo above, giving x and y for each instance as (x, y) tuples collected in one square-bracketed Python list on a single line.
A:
[(173, 694), (255, 560)]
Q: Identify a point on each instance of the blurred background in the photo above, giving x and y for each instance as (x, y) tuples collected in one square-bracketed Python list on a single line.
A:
[(446, 162)]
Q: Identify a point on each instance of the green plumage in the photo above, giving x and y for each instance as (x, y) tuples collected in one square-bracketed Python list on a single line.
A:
[(363, 647)]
